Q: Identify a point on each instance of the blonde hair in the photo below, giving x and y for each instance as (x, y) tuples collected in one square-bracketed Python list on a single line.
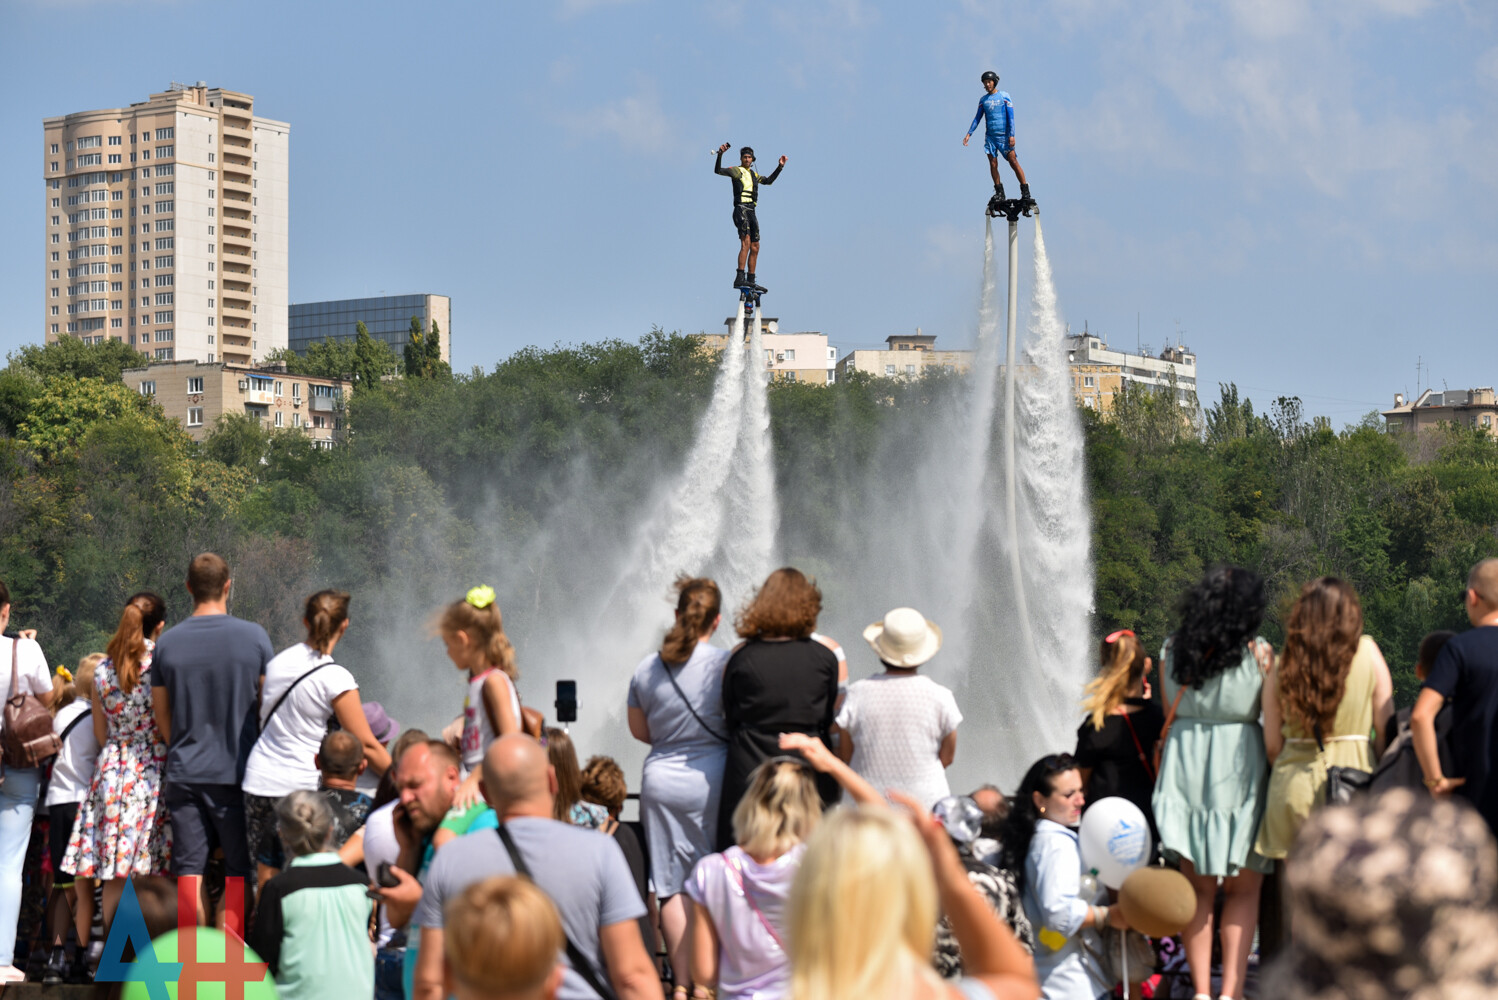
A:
[(81, 686), (502, 936), (779, 810), (862, 909), (698, 602), (1123, 666), (485, 627)]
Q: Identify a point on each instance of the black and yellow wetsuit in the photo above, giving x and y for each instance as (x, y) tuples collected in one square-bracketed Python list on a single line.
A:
[(746, 184)]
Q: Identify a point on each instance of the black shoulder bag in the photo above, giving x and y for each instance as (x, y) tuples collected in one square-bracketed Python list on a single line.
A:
[(670, 676), (1343, 784), (578, 960)]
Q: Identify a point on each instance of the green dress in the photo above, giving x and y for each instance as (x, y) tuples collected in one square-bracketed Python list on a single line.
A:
[(1209, 795), (1298, 782)]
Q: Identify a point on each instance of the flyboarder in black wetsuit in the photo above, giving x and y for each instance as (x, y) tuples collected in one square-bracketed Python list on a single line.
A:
[(746, 184)]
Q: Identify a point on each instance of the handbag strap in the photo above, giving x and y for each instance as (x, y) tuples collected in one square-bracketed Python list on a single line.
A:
[(1139, 747), (578, 960), (687, 702), (736, 872), (271, 714), (68, 729), (15, 650)]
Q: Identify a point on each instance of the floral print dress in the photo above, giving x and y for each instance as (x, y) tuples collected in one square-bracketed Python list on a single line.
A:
[(122, 829)]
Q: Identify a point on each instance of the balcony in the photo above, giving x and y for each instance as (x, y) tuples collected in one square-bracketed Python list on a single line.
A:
[(239, 124), (234, 267), (324, 404), (236, 233), (259, 398), (235, 141), (236, 159), (235, 307), (237, 213), (231, 195)]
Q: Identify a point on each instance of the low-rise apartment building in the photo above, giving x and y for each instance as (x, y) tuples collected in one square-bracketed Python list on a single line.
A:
[(788, 357), (197, 393), (1099, 372), (1476, 408), (906, 356)]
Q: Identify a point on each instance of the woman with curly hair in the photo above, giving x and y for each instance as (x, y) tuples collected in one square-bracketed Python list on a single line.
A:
[(1330, 690), (778, 680), (1209, 794)]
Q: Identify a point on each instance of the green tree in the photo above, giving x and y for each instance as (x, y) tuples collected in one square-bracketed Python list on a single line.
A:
[(71, 356), (65, 408), (423, 353)]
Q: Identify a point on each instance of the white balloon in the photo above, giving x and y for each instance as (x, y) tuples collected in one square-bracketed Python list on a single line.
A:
[(1114, 840), (1089, 890)]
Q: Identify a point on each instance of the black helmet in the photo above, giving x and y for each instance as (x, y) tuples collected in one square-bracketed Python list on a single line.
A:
[(989, 75), (746, 149)]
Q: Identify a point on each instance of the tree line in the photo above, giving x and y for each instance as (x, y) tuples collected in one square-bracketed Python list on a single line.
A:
[(101, 495)]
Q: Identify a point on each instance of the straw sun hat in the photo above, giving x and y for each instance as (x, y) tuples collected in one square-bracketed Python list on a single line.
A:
[(905, 638)]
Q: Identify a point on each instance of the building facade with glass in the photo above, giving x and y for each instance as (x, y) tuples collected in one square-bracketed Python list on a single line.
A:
[(387, 318)]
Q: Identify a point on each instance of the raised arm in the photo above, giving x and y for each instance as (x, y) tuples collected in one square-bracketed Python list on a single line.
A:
[(824, 760), (718, 165), (774, 173)]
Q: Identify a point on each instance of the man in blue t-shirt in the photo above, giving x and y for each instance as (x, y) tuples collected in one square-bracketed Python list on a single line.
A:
[(1466, 674), (206, 675), (998, 109)]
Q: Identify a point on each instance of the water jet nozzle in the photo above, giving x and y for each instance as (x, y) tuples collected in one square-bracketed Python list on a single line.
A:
[(1012, 208)]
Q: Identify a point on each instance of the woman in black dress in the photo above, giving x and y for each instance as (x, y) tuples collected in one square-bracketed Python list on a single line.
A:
[(1116, 744), (779, 680)]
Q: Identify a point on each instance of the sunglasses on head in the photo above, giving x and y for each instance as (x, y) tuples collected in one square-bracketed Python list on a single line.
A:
[(1114, 636)]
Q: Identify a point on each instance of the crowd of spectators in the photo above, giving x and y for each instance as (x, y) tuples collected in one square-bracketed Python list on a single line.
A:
[(797, 835)]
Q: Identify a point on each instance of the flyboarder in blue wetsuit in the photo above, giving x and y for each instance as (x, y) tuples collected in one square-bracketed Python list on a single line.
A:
[(999, 141), (746, 185)]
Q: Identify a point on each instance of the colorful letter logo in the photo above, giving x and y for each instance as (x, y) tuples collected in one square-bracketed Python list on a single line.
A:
[(238, 967)]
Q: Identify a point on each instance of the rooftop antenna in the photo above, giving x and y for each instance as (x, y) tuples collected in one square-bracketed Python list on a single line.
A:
[(1418, 366), (1138, 337)]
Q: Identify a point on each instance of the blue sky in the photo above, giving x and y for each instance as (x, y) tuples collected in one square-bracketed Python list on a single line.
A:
[(1307, 191)]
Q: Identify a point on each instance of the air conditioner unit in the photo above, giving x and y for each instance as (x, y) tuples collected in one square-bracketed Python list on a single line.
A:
[(780, 357), (243, 385)]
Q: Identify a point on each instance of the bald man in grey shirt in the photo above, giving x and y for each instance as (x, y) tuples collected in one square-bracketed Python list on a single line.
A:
[(583, 871)]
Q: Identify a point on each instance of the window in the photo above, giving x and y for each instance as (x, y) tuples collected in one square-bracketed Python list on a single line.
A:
[(166, 206), (195, 415), (164, 261), (166, 188), (296, 391), (1088, 381), (165, 133), (165, 279), (195, 385), (319, 421), (790, 376), (210, 357), (116, 323), (296, 420), (910, 369), (54, 150), (114, 140), (148, 388), (145, 154), (280, 389), (116, 286), (889, 371), (163, 317), (278, 418), (165, 152), (162, 224), (163, 354), (114, 157), (790, 354), (163, 299)]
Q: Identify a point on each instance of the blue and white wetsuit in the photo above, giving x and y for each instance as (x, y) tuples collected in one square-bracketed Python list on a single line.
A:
[(999, 110)]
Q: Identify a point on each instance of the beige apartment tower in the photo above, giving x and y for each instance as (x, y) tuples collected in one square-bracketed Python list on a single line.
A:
[(166, 226)]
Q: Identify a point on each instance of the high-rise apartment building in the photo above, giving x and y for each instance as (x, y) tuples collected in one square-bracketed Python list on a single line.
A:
[(166, 226)]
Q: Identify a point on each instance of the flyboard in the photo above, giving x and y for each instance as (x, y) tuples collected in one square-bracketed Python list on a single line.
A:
[(749, 295), (1010, 208)]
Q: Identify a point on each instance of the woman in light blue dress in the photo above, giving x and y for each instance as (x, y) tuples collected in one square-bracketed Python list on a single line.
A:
[(1209, 795), (676, 705)]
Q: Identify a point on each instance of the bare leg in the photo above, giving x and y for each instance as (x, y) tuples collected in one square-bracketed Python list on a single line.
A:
[(753, 256), (1240, 915), (83, 916), (674, 922), (993, 170), (1198, 934), (113, 890), (1013, 162), (744, 254)]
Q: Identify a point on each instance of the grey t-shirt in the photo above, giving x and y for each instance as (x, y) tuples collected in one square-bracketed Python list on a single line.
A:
[(583, 871), (211, 667)]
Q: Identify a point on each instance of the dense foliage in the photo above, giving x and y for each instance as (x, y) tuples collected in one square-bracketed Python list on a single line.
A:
[(100, 495)]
